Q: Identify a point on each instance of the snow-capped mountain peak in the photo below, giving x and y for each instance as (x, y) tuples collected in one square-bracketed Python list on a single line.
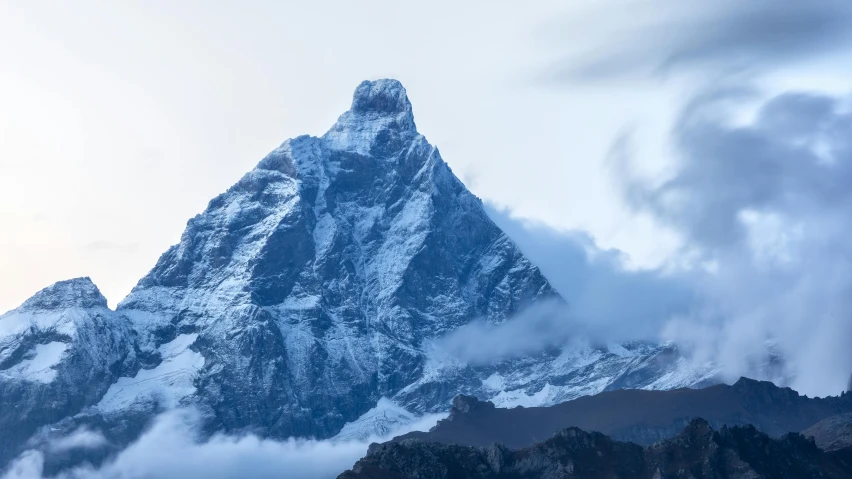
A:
[(325, 269), (381, 98), (304, 294), (72, 293), (380, 114), (59, 352)]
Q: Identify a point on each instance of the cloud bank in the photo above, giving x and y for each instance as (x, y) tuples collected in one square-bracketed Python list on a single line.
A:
[(172, 449)]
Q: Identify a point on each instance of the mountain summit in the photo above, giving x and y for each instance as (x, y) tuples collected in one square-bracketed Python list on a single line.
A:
[(382, 98), (314, 287), (72, 293), (59, 352), (313, 282)]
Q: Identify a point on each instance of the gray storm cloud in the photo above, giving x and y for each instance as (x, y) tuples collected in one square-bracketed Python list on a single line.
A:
[(766, 205), (760, 194), (763, 208)]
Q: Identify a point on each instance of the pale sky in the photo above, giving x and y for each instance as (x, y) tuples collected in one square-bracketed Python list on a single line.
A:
[(120, 120)]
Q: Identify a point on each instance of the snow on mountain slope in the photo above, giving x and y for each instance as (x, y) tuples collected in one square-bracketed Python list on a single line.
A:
[(385, 418), (38, 364), (168, 383), (578, 369)]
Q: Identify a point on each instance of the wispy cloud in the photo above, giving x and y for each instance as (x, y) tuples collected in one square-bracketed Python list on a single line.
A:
[(760, 197), (767, 204), (659, 36), (537, 328), (605, 298), (759, 188), (80, 439)]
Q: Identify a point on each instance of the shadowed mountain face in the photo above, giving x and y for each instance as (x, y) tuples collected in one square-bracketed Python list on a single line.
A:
[(643, 417), (697, 452)]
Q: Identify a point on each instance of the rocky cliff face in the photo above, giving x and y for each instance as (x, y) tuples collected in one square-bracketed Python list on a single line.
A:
[(59, 352), (302, 296), (698, 452)]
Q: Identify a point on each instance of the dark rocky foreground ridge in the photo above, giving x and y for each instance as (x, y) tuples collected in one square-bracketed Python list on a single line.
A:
[(832, 433), (644, 417), (697, 452)]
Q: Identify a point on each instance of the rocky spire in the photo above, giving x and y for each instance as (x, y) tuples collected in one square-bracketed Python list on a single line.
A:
[(381, 98), (379, 109)]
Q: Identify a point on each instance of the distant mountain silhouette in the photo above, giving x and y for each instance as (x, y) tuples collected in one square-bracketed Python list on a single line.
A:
[(639, 416)]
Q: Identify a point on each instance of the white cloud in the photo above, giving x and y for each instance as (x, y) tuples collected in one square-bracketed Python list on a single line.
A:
[(80, 439), (543, 325), (171, 449)]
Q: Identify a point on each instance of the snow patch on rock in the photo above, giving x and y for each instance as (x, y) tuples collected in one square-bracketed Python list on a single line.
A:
[(39, 364), (510, 399), (385, 420), (387, 416), (170, 383)]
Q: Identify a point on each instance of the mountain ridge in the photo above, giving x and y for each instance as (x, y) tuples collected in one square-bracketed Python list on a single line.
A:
[(313, 287), (639, 416), (697, 451)]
